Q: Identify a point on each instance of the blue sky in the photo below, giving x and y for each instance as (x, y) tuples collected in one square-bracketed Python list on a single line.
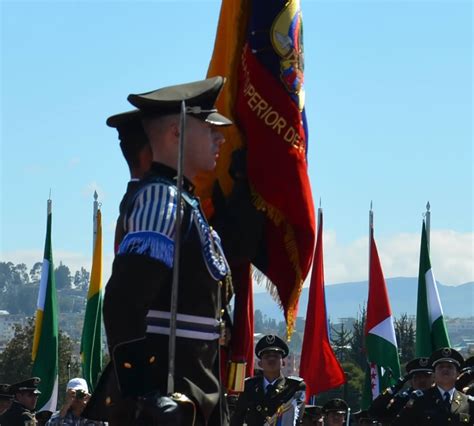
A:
[(388, 99)]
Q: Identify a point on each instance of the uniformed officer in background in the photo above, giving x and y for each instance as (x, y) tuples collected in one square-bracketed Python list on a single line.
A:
[(335, 412), (312, 416), (465, 381), (137, 153), (22, 410), (137, 297), (6, 397), (265, 394), (363, 418), (389, 403), (441, 404)]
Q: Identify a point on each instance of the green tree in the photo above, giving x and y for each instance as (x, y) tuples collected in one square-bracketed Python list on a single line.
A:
[(81, 279), (16, 363), (35, 272), (258, 321), (63, 277), (357, 352), (341, 339), (18, 294), (405, 333)]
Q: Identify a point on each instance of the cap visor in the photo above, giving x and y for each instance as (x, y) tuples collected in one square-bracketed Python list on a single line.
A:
[(217, 119)]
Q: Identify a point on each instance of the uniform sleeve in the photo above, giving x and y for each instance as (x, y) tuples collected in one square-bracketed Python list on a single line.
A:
[(151, 224), (408, 414), (300, 398), (240, 411)]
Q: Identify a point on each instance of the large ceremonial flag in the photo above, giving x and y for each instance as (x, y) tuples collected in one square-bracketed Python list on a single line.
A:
[(45, 342), (431, 333), (380, 340), (91, 342), (259, 48), (319, 366)]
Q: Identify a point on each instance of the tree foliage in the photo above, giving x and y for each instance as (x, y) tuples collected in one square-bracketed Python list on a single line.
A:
[(16, 363)]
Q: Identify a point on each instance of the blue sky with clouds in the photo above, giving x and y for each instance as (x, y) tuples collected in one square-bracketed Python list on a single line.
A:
[(388, 99)]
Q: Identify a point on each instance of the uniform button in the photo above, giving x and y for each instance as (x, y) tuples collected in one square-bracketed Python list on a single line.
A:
[(127, 365)]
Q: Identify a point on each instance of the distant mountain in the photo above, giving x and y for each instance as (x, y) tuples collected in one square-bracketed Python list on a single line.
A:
[(344, 300)]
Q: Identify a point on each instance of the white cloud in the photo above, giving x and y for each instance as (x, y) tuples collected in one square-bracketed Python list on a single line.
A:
[(73, 162), (452, 257)]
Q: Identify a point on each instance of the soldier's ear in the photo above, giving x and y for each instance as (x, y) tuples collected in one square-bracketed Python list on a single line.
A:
[(259, 363)]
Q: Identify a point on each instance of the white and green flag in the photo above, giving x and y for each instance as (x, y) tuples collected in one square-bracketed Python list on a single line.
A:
[(431, 333), (45, 343), (383, 367)]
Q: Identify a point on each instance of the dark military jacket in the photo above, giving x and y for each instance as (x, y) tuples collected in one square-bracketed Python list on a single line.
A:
[(120, 232), (17, 415), (387, 405), (430, 410), (137, 297), (254, 405)]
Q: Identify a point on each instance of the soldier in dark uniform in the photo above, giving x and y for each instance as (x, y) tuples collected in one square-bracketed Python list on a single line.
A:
[(6, 397), (335, 412), (137, 297), (465, 381), (22, 410), (137, 153), (268, 394), (312, 416), (389, 403), (363, 418), (442, 404)]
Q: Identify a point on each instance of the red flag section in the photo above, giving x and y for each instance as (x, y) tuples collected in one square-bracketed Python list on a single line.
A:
[(378, 306), (319, 366), (259, 49)]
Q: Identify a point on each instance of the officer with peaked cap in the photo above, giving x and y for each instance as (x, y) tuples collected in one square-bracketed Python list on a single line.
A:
[(137, 297), (335, 412), (363, 418), (465, 381), (22, 409), (441, 404), (137, 153), (388, 404), (312, 416), (265, 394), (6, 398)]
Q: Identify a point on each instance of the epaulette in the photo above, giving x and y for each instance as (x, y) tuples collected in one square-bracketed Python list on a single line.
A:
[(296, 379), (253, 379)]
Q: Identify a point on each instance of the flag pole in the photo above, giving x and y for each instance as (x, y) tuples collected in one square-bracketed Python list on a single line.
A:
[(177, 245), (428, 224), (94, 222)]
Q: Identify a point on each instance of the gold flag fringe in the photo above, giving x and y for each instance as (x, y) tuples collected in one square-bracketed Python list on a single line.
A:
[(278, 219)]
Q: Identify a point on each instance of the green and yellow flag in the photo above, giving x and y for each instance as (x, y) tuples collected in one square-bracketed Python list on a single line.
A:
[(91, 343), (45, 343)]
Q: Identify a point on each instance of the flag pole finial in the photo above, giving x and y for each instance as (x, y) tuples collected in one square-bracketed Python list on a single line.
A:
[(428, 206), (96, 196), (319, 202)]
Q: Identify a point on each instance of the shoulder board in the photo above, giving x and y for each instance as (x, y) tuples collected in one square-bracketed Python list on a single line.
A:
[(253, 379), (295, 379)]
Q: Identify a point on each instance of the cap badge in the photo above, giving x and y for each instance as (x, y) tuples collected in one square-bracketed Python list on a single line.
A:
[(423, 362), (270, 339), (446, 352)]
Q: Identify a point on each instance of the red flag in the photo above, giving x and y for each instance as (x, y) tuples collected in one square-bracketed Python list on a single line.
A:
[(259, 47), (319, 366)]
